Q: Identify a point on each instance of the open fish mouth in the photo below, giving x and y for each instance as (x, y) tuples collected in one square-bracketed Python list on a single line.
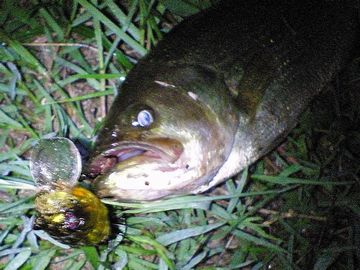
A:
[(164, 151)]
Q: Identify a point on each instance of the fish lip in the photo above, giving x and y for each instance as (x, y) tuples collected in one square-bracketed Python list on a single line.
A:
[(159, 152), (119, 153)]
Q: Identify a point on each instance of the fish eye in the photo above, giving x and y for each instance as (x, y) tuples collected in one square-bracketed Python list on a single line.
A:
[(144, 119)]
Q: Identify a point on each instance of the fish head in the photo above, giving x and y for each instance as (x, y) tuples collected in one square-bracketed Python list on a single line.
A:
[(166, 136)]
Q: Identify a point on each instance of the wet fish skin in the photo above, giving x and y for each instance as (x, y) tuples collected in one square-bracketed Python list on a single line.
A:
[(229, 82)]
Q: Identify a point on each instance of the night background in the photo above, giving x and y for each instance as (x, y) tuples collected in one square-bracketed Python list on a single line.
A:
[(62, 63)]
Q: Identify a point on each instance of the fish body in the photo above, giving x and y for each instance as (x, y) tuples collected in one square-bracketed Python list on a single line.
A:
[(218, 92)]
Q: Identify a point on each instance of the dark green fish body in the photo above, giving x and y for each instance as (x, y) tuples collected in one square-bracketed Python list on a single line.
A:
[(218, 92)]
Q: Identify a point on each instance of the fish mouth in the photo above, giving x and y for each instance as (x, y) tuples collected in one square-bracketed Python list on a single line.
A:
[(123, 154)]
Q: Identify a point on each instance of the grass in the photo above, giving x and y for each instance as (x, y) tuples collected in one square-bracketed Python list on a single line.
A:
[(297, 208)]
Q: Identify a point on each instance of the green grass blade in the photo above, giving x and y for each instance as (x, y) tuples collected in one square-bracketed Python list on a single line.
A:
[(24, 54), (92, 256), (179, 235), (84, 97), (18, 260), (117, 30), (258, 241), (162, 252), (281, 180)]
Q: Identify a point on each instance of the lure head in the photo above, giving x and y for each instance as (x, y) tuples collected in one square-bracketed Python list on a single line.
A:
[(73, 216)]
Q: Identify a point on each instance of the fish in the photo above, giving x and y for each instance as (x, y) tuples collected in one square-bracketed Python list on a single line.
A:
[(67, 211), (222, 89)]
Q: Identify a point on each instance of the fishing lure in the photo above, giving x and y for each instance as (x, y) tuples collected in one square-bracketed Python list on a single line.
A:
[(68, 212)]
